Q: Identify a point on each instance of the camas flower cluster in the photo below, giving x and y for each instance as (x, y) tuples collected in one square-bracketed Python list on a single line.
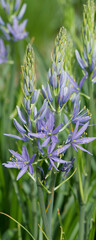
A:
[(13, 29), (42, 127), (88, 60)]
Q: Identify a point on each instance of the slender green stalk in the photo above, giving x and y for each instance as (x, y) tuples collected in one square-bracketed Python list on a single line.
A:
[(81, 221), (11, 87), (90, 130), (80, 192), (42, 206), (34, 210), (51, 199)]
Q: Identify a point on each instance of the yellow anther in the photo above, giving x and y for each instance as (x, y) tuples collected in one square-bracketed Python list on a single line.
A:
[(10, 158), (41, 128), (84, 107), (71, 127), (46, 127)]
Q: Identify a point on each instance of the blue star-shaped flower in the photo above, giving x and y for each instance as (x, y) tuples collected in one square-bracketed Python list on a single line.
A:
[(75, 138), (53, 155), (47, 131), (21, 162)]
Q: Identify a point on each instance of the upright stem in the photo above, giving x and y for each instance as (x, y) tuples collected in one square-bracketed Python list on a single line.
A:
[(81, 221), (51, 199), (34, 210), (42, 206), (11, 87), (90, 130), (81, 200)]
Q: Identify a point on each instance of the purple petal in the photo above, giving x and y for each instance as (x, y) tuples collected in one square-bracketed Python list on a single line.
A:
[(57, 128), (21, 173), (10, 165), (50, 122), (85, 140), (31, 169), (83, 80), (54, 139), (46, 142), (35, 96), (17, 4), (49, 149), (59, 160), (63, 78), (23, 25), (11, 30), (54, 80), (40, 148), (52, 146), (53, 165), (1, 21), (3, 3), (73, 145), (32, 158), (16, 155), (75, 85), (21, 115), (49, 93), (50, 77), (61, 150), (14, 136), (25, 154), (42, 111), (83, 149), (37, 135), (80, 60), (22, 11), (44, 92), (18, 126), (81, 130), (75, 130)]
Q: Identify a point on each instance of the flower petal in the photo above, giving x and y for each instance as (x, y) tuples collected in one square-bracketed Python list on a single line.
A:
[(31, 169), (46, 142), (57, 128), (32, 158), (61, 150), (81, 130), (83, 149), (21, 173), (22, 11), (53, 165), (21, 115), (80, 60), (25, 154)]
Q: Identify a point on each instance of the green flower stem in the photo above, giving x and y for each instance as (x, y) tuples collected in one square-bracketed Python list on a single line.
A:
[(81, 220), (34, 210), (90, 130), (80, 193), (51, 199), (42, 206), (11, 87)]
